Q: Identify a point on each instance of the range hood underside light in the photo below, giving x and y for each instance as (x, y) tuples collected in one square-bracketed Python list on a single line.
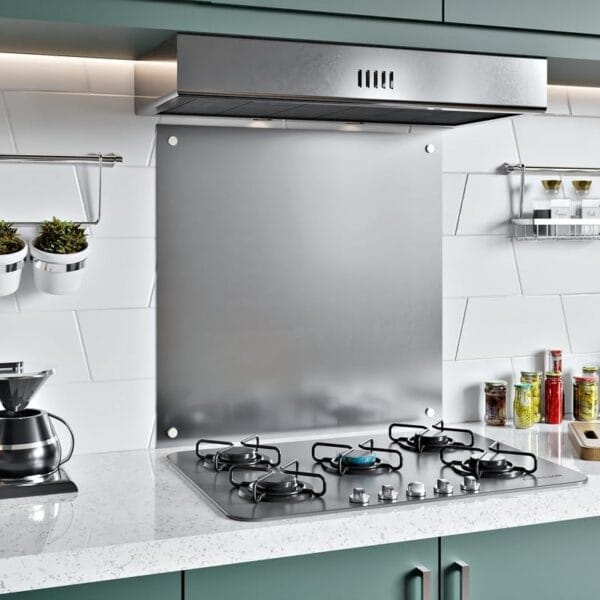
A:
[(244, 77)]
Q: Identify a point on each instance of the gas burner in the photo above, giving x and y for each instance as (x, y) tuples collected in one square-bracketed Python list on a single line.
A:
[(246, 454), (356, 460), (278, 484), (489, 464), (430, 439)]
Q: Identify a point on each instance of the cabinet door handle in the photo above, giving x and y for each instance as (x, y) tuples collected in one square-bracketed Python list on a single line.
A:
[(425, 575), (465, 579)]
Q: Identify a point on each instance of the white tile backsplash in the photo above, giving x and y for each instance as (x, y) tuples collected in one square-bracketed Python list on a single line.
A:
[(452, 195), (479, 266), (120, 344), (454, 311), (583, 320), (584, 101)]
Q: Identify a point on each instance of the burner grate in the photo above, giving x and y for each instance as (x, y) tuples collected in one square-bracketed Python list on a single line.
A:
[(429, 439), (250, 452)]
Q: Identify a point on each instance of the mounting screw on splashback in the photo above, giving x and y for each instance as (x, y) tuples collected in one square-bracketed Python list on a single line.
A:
[(172, 140), (430, 412), (430, 148), (172, 433)]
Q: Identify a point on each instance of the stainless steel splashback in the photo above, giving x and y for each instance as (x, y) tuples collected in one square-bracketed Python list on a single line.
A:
[(299, 279)]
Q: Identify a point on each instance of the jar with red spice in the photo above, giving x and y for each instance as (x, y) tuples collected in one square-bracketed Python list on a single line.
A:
[(555, 361), (554, 394)]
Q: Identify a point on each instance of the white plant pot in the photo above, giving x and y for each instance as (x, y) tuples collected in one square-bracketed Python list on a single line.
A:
[(58, 274), (11, 267)]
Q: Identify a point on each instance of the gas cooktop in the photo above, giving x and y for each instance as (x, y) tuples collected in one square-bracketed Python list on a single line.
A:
[(251, 481)]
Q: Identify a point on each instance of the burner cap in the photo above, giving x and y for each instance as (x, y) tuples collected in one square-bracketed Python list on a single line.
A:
[(358, 458), (238, 454), (278, 483), (491, 461), (431, 439)]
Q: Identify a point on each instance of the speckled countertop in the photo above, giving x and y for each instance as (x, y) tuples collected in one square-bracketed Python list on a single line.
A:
[(134, 516)]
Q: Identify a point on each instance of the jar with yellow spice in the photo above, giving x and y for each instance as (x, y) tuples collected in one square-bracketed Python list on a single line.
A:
[(585, 398), (523, 406), (535, 379)]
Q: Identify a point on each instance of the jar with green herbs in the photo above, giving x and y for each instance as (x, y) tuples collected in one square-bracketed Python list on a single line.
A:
[(495, 402), (535, 379), (523, 406), (585, 398)]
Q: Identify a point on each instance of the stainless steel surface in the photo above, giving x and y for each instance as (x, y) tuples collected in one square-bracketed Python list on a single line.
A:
[(443, 487), (470, 484), (416, 489), (388, 493), (17, 388), (465, 579), (359, 496), (30, 445), (38, 485), (11, 367), (425, 467), (101, 160), (426, 588), (208, 75), (299, 279)]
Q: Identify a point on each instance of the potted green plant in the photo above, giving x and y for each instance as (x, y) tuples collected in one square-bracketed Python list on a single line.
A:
[(13, 251), (59, 256)]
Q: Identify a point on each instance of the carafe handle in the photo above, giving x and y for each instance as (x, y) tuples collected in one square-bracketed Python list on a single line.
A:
[(70, 453)]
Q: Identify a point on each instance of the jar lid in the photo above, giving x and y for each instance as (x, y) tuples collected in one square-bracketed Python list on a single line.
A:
[(582, 185), (496, 383), (531, 373), (523, 386), (590, 368), (551, 185), (556, 352), (583, 379), (553, 374)]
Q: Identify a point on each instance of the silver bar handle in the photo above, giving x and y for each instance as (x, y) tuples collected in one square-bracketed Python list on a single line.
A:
[(425, 575), (465, 579)]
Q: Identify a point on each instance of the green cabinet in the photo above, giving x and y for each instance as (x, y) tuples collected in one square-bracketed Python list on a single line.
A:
[(152, 587), (556, 561), (388, 572), (423, 10), (575, 16)]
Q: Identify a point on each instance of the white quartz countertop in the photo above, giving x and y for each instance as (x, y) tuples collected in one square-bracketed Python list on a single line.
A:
[(135, 516)]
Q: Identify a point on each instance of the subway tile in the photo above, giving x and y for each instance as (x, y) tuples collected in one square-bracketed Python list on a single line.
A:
[(452, 193), (470, 147), (46, 123), (454, 310), (44, 342), (463, 387), (108, 76), (512, 326), (583, 321), (479, 266), (120, 273), (120, 344), (31, 192), (104, 416), (558, 267), (41, 73), (585, 101), (128, 207), (558, 101), (558, 141)]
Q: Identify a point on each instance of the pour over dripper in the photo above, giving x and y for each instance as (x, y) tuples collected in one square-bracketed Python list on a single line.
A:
[(17, 389)]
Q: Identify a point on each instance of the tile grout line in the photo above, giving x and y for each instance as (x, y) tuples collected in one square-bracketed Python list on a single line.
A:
[(462, 325), (11, 133), (81, 199), (152, 149), (83, 348), (514, 130), (88, 81), (564, 314), (514, 253), (462, 201), (569, 103), (152, 291)]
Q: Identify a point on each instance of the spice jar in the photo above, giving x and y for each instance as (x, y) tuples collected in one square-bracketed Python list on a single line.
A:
[(554, 394), (523, 406), (585, 398), (495, 402), (535, 379), (555, 360)]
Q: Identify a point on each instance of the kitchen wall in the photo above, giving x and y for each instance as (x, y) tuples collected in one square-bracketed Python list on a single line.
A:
[(506, 301)]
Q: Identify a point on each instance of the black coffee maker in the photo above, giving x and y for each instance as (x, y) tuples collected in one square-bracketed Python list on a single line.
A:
[(31, 454)]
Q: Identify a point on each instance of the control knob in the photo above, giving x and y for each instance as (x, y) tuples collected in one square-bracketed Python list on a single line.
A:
[(443, 488), (359, 496), (470, 484), (416, 489), (388, 494)]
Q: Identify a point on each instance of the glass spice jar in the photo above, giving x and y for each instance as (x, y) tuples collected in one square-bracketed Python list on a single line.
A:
[(555, 360), (535, 379), (553, 395), (495, 402), (585, 398), (593, 371), (523, 406)]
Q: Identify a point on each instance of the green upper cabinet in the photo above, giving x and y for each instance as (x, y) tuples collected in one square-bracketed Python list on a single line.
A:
[(557, 561), (574, 16), (421, 10), (152, 587), (387, 572)]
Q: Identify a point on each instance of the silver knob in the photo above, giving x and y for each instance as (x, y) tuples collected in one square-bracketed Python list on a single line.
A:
[(172, 433), (388, 494), (416, 489), (359, 496), (470, 484), (443, 488)]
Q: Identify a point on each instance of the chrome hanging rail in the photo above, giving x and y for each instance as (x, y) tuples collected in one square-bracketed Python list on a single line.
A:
[(102, 160)]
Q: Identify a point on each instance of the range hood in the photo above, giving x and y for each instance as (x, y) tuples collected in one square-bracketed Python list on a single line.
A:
[(259, 78)]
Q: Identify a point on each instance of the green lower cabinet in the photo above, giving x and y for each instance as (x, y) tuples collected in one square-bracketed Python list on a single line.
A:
[(152, 587), (386, 572), (557, 561)]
